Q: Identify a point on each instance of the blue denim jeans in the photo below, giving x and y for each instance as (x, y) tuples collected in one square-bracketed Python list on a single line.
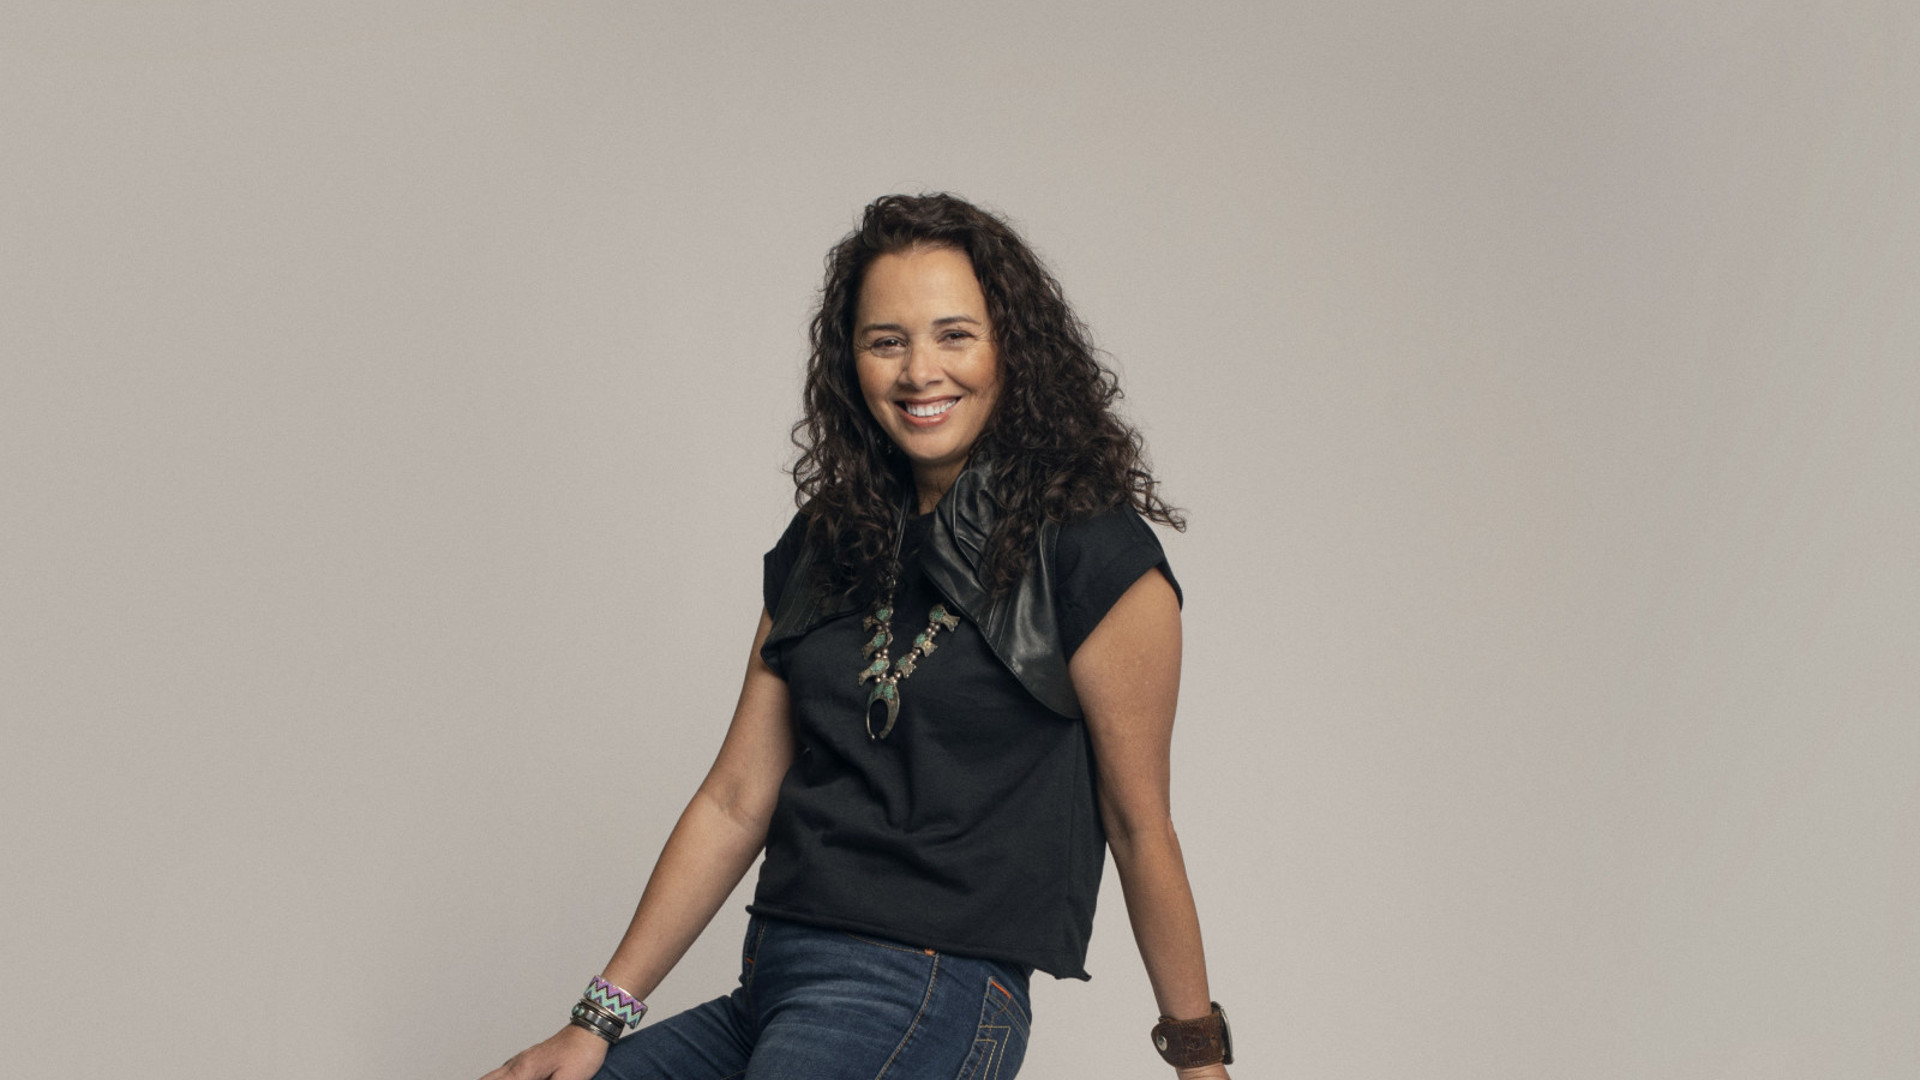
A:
[(819, 1004)]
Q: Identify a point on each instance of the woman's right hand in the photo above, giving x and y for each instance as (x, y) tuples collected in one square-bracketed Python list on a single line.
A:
[(573, 1054)]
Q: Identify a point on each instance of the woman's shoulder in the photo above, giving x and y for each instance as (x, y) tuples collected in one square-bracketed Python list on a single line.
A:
[(794, 534), (778, 562), (1103, 536), (1098, 558)]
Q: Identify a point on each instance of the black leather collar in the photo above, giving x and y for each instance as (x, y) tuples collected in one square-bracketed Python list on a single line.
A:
[(1020, 625)]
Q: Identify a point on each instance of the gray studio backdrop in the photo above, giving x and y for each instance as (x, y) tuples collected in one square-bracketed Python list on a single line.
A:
[(393, 401)]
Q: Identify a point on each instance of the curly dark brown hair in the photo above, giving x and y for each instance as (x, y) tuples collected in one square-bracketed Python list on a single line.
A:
[(1059, 452)]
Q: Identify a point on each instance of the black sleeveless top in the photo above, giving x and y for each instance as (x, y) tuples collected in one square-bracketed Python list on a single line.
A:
[(973, 827)]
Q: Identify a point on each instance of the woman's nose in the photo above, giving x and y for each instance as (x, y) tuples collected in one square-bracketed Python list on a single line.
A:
[(921, 366)]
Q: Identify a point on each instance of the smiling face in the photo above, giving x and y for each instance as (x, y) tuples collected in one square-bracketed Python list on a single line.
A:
[(923, 349)]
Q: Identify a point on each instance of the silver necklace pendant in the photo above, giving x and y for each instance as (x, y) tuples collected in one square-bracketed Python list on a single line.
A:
[(885, 692)]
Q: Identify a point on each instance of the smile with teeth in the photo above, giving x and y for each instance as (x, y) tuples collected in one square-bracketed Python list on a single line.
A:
[(925, 409)]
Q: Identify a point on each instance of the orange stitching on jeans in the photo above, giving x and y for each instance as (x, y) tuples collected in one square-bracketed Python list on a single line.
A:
[(750, 954), (932, 978), (985, 1059), (1012, 1009)]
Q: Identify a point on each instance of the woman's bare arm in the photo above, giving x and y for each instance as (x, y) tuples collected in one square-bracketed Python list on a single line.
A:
[(716, 839), (718, 836), (1127, 676)]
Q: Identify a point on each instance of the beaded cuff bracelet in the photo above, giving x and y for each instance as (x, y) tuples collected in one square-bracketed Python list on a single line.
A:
[(616, 1002)]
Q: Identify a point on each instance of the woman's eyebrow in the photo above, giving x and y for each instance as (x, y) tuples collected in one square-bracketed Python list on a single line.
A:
[(944, 320)]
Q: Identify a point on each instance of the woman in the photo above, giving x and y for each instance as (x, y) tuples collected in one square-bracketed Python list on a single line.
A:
[(934, 803)]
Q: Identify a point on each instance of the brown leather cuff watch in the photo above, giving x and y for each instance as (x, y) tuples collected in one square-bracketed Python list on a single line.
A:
[(1189, 1043)]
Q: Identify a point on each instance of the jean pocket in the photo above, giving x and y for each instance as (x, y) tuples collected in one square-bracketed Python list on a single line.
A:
[(1000, 1040)]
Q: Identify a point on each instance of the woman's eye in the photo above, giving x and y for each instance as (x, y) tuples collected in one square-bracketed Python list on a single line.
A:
[(955, 335), (884, 344)]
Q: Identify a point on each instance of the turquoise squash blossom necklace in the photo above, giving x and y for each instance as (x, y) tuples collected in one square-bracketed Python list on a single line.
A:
[(886, 683)]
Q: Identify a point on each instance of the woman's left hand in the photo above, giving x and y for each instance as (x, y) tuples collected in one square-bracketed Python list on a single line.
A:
[(1204, 1072)]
